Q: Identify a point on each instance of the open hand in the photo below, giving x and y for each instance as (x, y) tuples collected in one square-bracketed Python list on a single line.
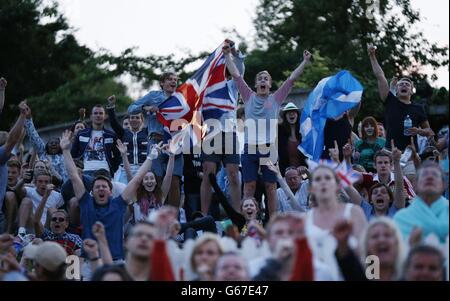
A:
[(65, 140)]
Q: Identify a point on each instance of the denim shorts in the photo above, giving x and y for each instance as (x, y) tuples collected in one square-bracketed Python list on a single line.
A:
[(226, 152), (159, 165), (251, 163)]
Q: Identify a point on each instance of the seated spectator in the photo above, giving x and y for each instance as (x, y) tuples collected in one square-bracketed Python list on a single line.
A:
[(429, 209), (369, 144), (231, 267), (424, 263), (205, 253)]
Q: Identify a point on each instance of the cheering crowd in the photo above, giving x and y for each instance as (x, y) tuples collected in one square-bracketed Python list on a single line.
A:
[(128, 203)]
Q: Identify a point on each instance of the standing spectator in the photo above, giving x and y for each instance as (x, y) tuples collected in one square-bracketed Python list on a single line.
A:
[(50, 152), (429, 209), (5, 151), (149, 106), (96, 146), (135, 139), (289, 138), (193, 175), (226, 134), (261, 107), (320, 220), (369, 143), (13, 196), (149, 196), (398, 107)]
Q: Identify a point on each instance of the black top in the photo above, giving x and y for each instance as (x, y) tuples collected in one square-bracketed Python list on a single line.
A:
[(283, 155), (339, 130), (191, 169), (395, 113)]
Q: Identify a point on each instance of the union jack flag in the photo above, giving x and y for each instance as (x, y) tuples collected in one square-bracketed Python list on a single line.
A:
[(206, 92), (344, 171)]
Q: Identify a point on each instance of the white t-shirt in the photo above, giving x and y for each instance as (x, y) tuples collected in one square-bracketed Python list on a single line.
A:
[(94, 155), (55, 200)]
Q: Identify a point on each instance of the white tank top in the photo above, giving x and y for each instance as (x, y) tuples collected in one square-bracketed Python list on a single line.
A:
[(323, 244)]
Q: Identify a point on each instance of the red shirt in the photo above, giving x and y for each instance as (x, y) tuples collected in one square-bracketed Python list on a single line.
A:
[(370, 179)]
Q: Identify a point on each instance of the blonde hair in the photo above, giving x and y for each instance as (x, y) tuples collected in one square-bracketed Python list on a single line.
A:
[(202, 240), (399, 258), (263, 72)]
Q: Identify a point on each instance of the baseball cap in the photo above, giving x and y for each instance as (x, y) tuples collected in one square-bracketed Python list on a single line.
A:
[(50, 255)]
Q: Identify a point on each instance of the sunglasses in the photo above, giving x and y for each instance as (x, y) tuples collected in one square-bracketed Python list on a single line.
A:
[(58, 219)]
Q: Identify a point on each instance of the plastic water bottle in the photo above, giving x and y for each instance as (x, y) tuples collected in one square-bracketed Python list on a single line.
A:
[(407, 124)]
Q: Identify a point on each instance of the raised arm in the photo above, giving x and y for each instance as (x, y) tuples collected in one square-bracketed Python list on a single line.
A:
[(292, 201), (34, 137), (38, 227), (165, 187), (129, 194), (231, 66), (235, 217), (281, 94), (383, 85), (354, 195), (299, 71), (399, 192), (98, 229), (126, 164), (111, 110), (16, 131), (3, 84), (72, 172)]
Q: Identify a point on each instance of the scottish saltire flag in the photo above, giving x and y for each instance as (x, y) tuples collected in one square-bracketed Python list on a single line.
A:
[(206, 91), (331, 98)]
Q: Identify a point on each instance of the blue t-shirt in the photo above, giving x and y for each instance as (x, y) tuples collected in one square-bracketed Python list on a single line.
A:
[(111, 215), (3, 174), (370, 212)]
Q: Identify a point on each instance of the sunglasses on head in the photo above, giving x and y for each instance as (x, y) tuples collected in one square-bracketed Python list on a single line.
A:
[(58, 219)]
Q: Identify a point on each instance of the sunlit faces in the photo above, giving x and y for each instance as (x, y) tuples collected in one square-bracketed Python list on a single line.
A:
[(383, 165), (205, 255), (324, 185), (101, 191), (382, 242), (404, 88), (380, 198), (98, 116), (292, 116), (140, 241), (293, 179), (58, 223), (263, 83), (249, 209), (149, 182), (231, 267), (169, 85), (135, 122), (41, 183), (429, 181), (369, 129)]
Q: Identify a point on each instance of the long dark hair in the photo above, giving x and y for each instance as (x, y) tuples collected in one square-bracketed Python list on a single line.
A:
[(141, 192), (287, 127)]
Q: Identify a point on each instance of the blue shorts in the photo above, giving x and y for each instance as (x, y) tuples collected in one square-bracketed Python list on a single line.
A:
[(251, 164), (159, 165), (226, 152)]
